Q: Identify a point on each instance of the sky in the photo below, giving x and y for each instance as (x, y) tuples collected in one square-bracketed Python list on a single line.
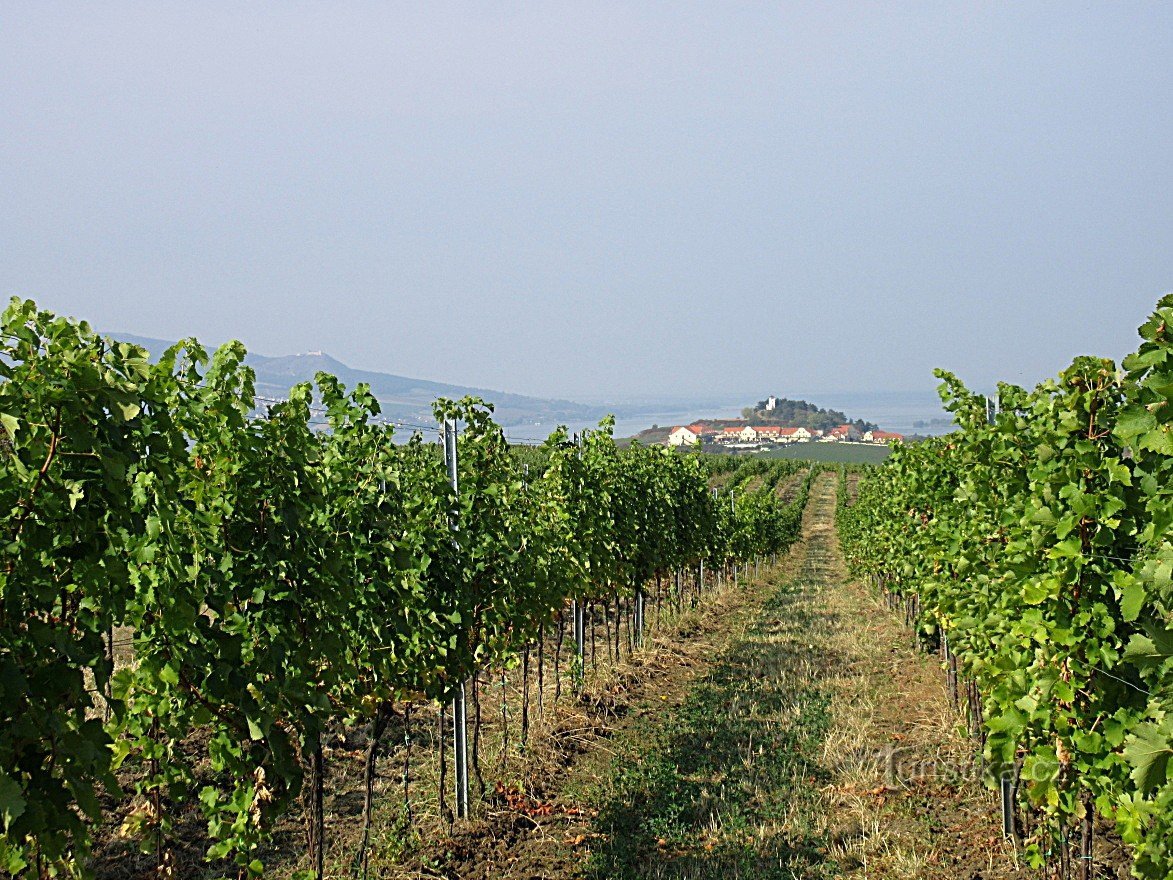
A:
[(593, 200)]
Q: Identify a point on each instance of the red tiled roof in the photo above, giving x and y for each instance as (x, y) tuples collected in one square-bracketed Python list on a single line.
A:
[(886, 435)]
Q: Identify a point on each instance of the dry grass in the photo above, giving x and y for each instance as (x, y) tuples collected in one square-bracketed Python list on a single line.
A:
[(906, 800)]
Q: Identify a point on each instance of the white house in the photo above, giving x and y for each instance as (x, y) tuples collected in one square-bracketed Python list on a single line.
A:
[(878, 436), (794, 435), (843, 432), (683, 436), (772, 433)]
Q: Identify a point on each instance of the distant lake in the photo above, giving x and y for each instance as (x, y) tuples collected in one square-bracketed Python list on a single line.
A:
[(627, 427), (891, 410)]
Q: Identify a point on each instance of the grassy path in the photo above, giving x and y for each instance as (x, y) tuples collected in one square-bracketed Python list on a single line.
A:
[(730, 785), (798, 735), (819, 744)]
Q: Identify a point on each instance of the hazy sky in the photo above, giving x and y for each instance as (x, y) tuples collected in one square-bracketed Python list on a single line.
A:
[(587, 199)]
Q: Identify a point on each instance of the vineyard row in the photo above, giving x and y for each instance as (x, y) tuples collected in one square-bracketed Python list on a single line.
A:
[(277, 577), (1034, 547)]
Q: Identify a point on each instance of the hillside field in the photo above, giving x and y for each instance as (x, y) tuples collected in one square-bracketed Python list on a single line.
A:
[(851, 453)]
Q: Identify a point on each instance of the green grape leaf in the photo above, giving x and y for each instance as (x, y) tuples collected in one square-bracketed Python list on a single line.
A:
[(1132, 599), (12, 802), (1148, 749), (10, 424)]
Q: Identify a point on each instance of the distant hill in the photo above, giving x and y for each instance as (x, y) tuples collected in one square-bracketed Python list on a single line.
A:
[(800, 414), (401, 397)]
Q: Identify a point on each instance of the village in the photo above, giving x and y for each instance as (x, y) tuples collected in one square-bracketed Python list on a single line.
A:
[(742, 434), (746, 436)]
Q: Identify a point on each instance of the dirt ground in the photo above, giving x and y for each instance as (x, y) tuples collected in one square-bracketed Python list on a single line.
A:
[(788, 488)]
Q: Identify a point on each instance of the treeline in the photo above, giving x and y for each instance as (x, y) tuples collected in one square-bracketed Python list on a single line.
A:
[(1036, 548), (276, 573)]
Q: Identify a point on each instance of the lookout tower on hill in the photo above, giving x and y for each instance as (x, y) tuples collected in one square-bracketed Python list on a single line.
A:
[(771, 402)]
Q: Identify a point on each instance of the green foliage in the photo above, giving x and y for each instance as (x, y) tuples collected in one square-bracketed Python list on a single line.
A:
[(1041, 545), (280, 575), (88, 449)]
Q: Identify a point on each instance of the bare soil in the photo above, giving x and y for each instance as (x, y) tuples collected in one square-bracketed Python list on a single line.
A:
[(788, 488)]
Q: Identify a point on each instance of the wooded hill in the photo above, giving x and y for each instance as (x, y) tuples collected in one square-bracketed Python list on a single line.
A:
[(800, 414)]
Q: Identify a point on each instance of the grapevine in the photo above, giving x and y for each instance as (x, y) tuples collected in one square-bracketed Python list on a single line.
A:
[(281, 572), (1039, 545)]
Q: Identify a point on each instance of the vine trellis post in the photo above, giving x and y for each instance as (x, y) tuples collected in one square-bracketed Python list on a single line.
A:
[(459, 703), (639, 616)]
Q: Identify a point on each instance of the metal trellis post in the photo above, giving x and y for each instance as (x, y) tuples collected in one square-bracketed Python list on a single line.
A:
[(459, 705), (576, 605), (639, 616)]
